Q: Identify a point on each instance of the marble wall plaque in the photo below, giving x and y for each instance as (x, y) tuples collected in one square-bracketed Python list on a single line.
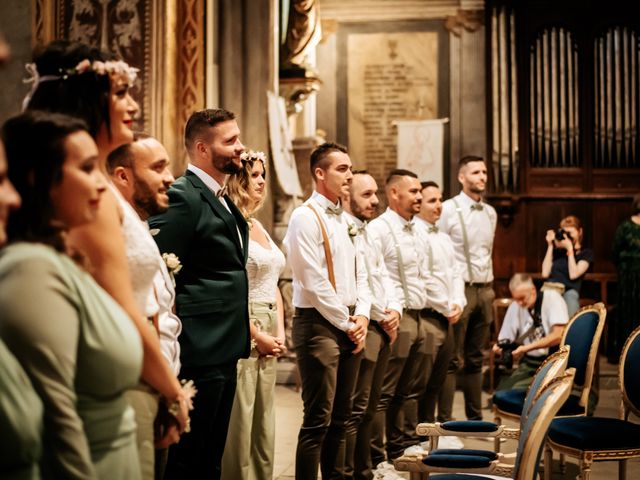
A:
[(390, 76)]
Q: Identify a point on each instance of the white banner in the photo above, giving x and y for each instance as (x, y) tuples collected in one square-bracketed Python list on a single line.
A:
[(284, 161), (421, 147)]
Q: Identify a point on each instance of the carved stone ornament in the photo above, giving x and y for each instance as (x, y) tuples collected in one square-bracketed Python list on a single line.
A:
[(469, 20)]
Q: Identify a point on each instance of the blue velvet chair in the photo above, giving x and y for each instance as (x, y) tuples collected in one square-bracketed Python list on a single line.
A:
[(583, 334), (544, 405), (598, 439), (552, 367)]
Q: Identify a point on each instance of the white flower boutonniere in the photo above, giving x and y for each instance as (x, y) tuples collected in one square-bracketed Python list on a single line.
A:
[(353, 230), (173, 265)]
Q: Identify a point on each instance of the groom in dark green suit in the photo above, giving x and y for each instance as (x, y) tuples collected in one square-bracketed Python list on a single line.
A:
[(210, 237)]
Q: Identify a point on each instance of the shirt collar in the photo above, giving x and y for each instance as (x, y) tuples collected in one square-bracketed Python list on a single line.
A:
[(466, 200), (355, 220), (397, 218), (208, 180), (323, 201), (421, 221)]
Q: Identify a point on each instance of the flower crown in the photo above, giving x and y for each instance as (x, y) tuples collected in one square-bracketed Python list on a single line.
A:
[(250, 155), (110, 67)]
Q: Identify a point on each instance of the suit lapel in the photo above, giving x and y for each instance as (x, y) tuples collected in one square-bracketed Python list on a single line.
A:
[(219, 210), (243, 226)]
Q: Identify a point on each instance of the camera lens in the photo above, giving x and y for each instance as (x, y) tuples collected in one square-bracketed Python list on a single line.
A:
[(560, 234)]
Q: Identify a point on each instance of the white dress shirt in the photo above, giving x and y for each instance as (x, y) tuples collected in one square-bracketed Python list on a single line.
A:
[(480, 226), (169, 325), (413, 252), (448, 288), (311, 287), (382, 288), (215, 187), (518, 320)]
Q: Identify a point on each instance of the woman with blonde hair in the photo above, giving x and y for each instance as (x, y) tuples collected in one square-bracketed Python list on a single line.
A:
[(566, 262), (250, 444)]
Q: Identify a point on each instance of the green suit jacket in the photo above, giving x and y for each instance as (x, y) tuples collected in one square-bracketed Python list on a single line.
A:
[(211, 287)]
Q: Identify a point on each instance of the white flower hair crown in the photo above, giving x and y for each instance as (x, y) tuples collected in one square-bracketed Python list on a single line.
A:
[(110, 67), (250, 155)]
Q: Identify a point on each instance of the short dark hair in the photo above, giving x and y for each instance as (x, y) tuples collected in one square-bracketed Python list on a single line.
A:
[(200, 122), (319, 155), (35, 146), (84, 96), (468, 159), (399, 172), (123, 155), (427, 184)]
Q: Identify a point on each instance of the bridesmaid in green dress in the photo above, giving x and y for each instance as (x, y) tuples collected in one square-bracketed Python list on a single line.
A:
[(20, 406), (626, 256), (79, 348)]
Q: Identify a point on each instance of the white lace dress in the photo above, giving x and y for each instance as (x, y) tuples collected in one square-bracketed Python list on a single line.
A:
[(249, 451), (142, 256)]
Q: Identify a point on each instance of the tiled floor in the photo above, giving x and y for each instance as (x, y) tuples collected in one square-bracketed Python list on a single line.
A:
[(289, 418)]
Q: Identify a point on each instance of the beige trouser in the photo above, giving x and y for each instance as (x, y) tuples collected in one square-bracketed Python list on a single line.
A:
[(145, 405), (249, 451)]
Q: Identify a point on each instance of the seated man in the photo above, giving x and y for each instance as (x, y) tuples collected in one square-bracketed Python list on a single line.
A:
[(533, 323)]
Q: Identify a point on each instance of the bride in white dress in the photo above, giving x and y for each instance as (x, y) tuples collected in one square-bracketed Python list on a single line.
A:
[(250, 443)]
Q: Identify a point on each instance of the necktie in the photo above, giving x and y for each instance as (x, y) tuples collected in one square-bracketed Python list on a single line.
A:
[(477, 206), (433, 229), (334, 210), (408, 227), (222, 192)]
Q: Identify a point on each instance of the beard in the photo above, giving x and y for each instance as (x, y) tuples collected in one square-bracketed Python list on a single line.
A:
[(225, 164), (146, 200), (358, 211)]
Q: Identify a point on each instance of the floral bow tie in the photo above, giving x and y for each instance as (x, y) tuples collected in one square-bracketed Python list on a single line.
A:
[(222, 192), (334, 210), (477, 206), (433, 229), (408, 227)]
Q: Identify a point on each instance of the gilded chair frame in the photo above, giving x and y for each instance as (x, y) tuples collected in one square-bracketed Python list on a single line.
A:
[(588, 457), (584, 390), (528, 449)]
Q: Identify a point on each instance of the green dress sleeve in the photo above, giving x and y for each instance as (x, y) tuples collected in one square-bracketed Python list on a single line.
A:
[(41, 328), (20, 421)]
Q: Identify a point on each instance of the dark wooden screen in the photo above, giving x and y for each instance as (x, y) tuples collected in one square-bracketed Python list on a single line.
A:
[(563, 131)]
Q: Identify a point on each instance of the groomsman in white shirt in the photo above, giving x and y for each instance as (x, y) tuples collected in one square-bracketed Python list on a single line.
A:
[(404, 253), (446, 299), (360, 207), (332, 303), (471, 224)]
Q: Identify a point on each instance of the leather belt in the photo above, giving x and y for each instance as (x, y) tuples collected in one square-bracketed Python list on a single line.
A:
[(478, 284)]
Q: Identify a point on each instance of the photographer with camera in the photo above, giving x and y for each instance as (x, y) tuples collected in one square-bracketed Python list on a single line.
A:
[(533, 324), (566, 262)]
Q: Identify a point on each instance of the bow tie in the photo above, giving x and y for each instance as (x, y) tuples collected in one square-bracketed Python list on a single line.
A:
[(334, 210), (222, 192), (408, 227), (477, 206), (433, 229)]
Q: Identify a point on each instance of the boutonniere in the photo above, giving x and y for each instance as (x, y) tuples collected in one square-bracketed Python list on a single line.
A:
[(353, 230), (173, 264)]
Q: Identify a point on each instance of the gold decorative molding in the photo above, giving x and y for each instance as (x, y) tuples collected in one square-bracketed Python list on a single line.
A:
[(43, 22), (469, 20)]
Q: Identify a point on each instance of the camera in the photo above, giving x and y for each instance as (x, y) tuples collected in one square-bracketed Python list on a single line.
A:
[(561, 234), (506, 358)]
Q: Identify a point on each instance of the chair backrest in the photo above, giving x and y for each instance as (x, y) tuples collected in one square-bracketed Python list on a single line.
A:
[(553, 366), (544, 407), (499, 306), (629, 374), (583, 334)]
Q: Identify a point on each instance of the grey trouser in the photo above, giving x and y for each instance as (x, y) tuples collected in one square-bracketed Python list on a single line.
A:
[(328, 371), (398, 384), (358, 463), (470, 335)]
